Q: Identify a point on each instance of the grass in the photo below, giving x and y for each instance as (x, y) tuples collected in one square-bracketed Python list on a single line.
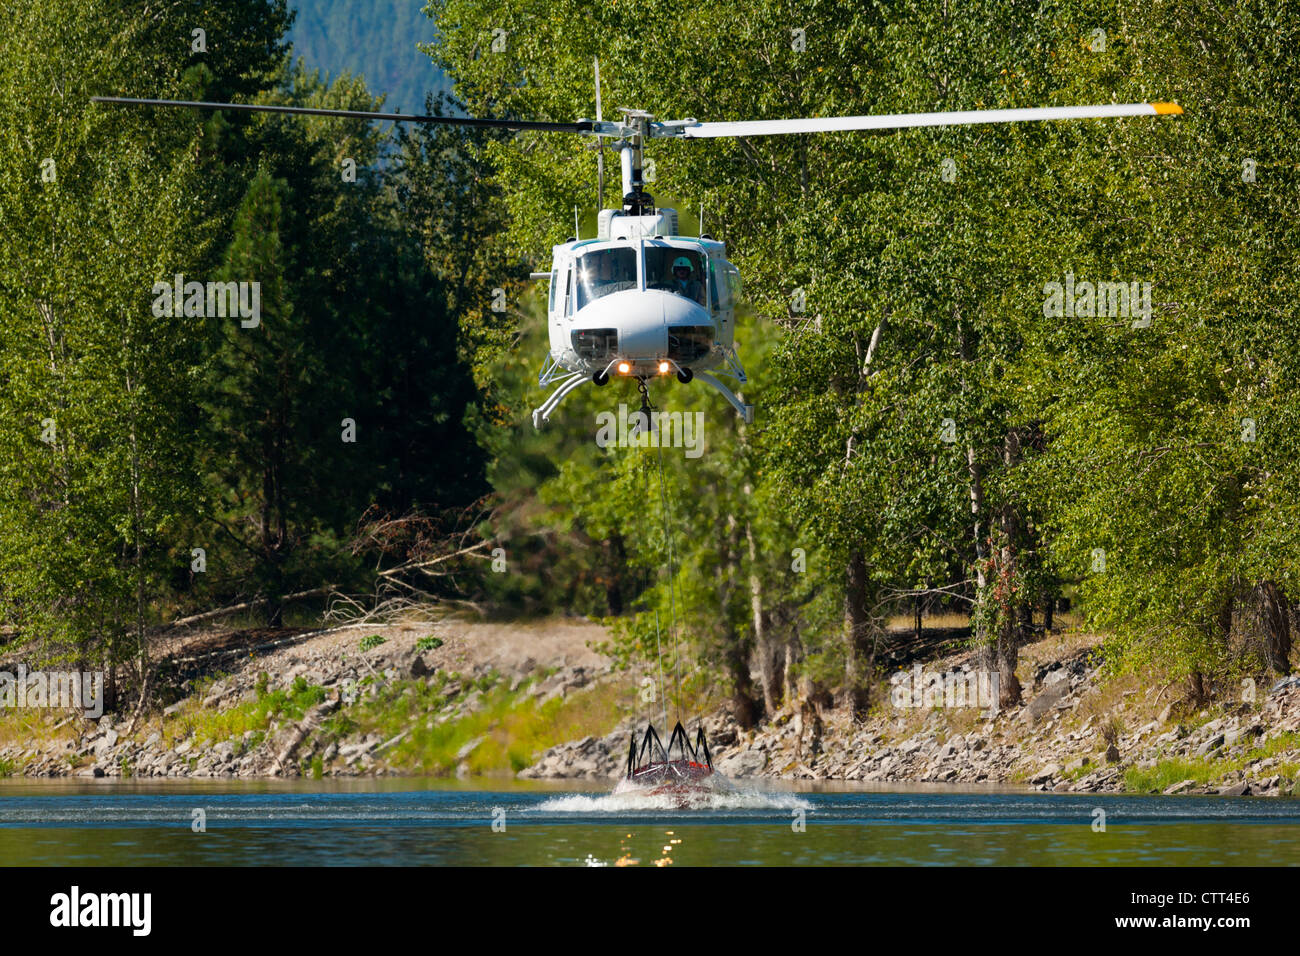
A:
[(23, 726), (1063, 622), (1079, 772), (512, 728), (206, 724), (1203, 771), (946, 619)]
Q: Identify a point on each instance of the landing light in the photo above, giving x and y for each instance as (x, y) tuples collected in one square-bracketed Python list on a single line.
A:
[(624, 368), (663, 368)]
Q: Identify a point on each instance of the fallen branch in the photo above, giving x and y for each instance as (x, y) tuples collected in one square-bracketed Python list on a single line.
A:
[(418, 565), (248, 606)]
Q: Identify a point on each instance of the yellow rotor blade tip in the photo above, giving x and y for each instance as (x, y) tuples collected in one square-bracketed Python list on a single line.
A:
[(1167, 108)]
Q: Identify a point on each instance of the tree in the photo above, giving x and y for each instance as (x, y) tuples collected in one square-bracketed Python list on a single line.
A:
[(98, 400)]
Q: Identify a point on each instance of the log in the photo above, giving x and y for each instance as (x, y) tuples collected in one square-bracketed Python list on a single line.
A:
[(305, 727)]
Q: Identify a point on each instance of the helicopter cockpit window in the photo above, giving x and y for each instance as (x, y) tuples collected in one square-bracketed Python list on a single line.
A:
[(603, 271), (675, 270)]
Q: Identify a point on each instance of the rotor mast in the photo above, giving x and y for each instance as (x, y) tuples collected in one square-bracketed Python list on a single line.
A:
[(636, 201)]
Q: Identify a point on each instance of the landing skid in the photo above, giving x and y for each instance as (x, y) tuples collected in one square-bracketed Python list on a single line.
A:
[(543, 414), (746, 411), (572, 381)]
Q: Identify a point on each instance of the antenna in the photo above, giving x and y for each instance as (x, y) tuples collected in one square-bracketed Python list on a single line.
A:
[(576, 230), (701, 220)]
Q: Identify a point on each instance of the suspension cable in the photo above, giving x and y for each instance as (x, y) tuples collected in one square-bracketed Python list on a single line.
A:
[(663, 701), (672, 578), (648, 411)]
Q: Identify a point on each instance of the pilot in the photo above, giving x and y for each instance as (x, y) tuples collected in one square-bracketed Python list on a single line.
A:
[(683, 284)]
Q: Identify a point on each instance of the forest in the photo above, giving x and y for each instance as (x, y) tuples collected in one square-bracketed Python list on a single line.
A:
[(998, 370)]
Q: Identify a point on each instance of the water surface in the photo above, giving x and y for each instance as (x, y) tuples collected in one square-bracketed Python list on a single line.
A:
[(438, 822)]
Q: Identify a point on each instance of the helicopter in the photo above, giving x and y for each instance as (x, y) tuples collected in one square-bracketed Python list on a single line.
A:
[(639, 300)]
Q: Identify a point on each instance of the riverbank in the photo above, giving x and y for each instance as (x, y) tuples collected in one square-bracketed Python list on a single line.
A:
[(538, 700), (1075, 731), (440, 698)]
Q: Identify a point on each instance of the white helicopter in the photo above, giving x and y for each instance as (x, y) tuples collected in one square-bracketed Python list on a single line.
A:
[(639, 300)]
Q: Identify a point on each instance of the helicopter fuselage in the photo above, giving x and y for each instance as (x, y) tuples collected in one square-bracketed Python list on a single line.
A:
[(640, 301)]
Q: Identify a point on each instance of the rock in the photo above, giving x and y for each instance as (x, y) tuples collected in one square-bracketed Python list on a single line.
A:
[(1214, 743), (1236, 790), (1055, 677), (1284, 684), (747, 763), (1181, 787), (1046, 700), (1047, 773), (1112, 754), (97, 771)]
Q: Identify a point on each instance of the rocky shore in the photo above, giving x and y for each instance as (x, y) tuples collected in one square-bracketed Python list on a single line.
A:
[(296, 708), (300, 684), (1057, 740)]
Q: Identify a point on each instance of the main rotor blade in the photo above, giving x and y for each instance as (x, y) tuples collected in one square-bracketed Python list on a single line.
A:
[(908, 120), (585, 126)]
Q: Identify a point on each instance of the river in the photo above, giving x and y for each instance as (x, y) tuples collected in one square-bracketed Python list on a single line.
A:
[(414, 822)]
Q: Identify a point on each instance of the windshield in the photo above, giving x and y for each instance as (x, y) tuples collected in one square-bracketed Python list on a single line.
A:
[(603, 271), (675, 270)]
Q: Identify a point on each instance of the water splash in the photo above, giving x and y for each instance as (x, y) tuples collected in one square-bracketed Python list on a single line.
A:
[(715, 792)]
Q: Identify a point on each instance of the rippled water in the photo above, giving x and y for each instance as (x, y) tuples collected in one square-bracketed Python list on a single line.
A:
[(409, 822)]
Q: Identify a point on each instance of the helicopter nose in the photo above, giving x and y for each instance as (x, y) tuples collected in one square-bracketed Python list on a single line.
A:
[(639, 322), (679, 310), (643, 319)]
